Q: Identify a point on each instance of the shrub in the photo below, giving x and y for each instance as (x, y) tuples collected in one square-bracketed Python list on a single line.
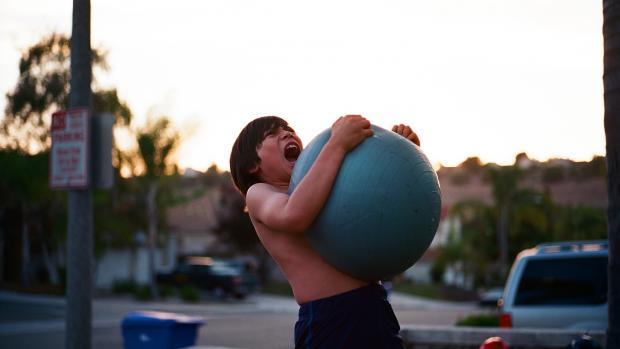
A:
[(479, 320), (166, 291), (189, 293), (437, 270), (124, 287), (143, 293)]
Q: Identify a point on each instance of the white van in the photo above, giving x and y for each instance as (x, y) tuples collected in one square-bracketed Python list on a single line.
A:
[(558, 285)]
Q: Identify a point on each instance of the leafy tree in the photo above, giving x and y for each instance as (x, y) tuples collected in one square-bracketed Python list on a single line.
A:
[(594, 168), (579, 223), (475, 249), (118, 214), (234, 225), (42, 88), (521, 157), (472, 164), (532, 218), (24, 185), (553, 174), (157, 141), (235, 228), (530, 221)]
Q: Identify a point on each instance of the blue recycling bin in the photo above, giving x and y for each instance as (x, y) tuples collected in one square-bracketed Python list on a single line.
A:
[(159, 330)]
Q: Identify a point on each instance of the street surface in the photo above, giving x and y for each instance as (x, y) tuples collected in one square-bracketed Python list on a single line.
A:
[(258, 322)]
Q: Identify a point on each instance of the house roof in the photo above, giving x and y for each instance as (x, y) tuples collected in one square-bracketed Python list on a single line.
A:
[(196, 216)]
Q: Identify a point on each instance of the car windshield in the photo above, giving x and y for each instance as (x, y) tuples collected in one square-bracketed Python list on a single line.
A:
[(564, 281)]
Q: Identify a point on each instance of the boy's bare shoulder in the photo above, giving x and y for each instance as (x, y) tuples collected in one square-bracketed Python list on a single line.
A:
[(258, 193), (259, 189)]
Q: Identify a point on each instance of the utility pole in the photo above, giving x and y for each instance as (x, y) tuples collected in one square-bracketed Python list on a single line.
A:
[(79, 234), (611, 82)]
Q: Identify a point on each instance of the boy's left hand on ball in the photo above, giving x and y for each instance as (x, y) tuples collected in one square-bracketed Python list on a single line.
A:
[(407, 132)]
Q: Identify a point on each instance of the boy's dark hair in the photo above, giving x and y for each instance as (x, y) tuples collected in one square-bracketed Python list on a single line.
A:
[(243, 156)]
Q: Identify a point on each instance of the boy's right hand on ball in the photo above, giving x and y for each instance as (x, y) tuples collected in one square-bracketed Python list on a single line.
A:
[(349, 131)]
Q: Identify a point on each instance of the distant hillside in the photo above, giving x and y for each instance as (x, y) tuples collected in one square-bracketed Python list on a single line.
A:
[(568, 182)]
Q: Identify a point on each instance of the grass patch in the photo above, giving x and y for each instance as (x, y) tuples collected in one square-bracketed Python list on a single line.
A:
[(277, 288), (479, 320)]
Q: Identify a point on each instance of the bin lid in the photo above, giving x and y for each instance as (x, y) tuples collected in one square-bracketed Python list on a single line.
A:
[(159, 319)]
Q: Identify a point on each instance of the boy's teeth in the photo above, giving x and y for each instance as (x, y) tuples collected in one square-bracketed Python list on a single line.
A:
[(291, 152)]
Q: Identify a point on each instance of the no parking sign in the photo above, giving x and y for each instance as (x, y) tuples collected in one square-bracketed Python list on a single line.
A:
[(69, 159)]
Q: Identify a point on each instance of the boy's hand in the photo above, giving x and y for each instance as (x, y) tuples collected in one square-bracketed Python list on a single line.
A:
[(349, 131), (407, 132)]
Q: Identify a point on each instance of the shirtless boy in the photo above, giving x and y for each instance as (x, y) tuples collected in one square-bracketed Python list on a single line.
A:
[(336, 310)]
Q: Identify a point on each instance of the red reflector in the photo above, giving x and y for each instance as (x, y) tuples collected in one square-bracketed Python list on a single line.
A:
[(494, 343), (505, 320)]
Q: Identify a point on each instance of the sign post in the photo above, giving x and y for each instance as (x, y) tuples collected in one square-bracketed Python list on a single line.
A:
[(80, 216)]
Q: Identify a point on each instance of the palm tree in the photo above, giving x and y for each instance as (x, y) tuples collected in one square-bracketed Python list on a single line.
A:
[(156, 142), (611, 81), (504, 182)]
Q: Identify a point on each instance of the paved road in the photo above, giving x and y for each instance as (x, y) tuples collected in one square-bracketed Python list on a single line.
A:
[(261, 321)]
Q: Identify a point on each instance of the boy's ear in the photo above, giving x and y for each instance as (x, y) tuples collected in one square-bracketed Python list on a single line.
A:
[(254, 169)]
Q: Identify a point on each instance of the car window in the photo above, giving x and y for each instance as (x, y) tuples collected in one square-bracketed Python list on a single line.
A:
[(223, 269), (563, 281)]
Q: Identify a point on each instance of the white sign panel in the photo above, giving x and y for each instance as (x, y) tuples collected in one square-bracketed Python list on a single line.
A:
[(69, 160)]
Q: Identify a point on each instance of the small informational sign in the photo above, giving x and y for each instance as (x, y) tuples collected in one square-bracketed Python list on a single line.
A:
[(69, 160)]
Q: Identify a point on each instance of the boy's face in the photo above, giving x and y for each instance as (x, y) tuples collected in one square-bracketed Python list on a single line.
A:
[(278, 153)]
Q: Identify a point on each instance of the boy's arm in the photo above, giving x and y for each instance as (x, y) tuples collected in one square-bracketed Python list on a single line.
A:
[(295, 213)]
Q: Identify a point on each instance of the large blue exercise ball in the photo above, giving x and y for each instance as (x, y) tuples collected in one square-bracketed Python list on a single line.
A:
[(383, 210)]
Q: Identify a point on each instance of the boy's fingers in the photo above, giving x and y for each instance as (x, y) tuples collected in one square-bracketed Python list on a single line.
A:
[(414, 138), (407, 131), (335, 122)]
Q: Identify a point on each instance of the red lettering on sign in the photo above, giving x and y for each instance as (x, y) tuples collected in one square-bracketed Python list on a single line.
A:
[(58, 121)]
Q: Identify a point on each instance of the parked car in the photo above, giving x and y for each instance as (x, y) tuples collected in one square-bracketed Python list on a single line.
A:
[(208, 274), (490, 297), (248, 273), (558, 285)]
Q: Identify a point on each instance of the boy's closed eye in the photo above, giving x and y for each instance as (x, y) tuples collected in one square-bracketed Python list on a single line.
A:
[(275, 131)]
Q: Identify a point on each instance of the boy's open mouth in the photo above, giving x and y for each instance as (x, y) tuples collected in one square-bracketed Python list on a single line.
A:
[(292, 151)]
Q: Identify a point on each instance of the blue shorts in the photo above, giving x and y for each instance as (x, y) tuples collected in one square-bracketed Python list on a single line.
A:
[(360, 318)]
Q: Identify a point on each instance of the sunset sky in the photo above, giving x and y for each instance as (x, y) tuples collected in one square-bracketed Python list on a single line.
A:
[(485, 78)]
